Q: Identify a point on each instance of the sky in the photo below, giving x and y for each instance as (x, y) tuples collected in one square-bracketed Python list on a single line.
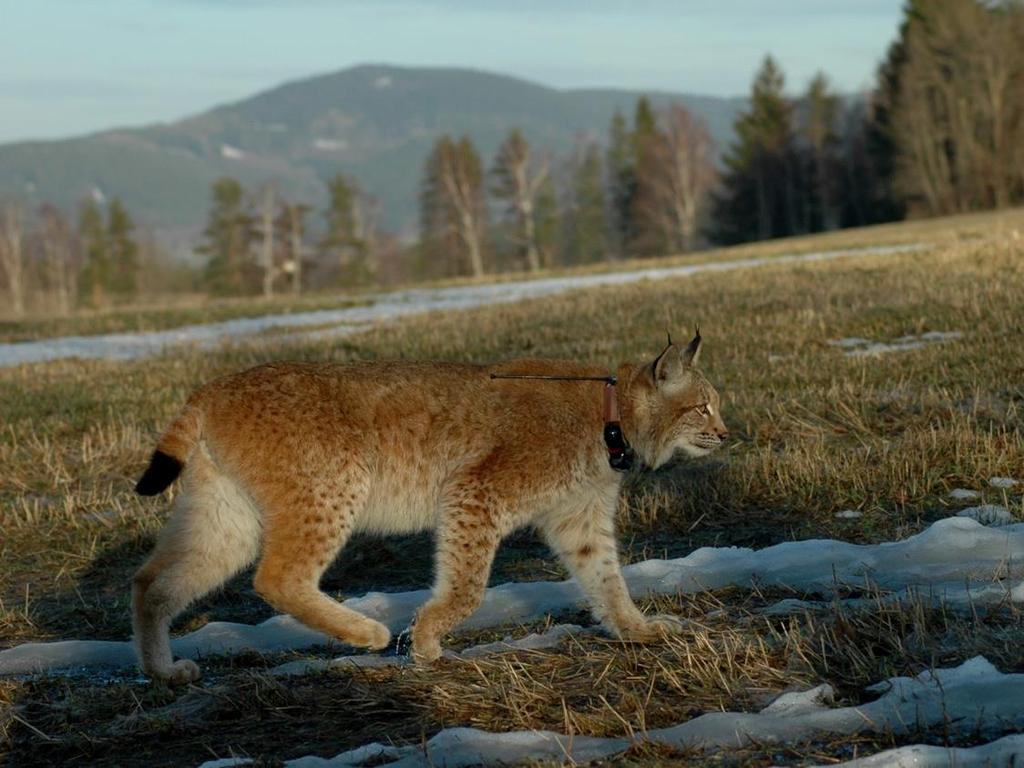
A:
[(69, 67)]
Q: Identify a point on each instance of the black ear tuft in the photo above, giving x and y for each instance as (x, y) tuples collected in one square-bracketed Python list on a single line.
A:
[(692, 351), (667, 365)]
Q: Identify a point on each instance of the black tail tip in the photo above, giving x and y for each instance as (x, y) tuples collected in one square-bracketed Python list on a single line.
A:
[(161, 472)]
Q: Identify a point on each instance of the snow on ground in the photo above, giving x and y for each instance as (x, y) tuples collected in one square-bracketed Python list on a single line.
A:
[(849, 514), (532, 642), (964, 494), (1007, 751), (384, 307), (973, 699), (988, 514), (939, 562), (1002, 482), (855, 346)]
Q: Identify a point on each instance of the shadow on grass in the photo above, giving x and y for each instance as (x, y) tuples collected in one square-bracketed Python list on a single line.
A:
[(231, 713), (661, 517), (237, 710)]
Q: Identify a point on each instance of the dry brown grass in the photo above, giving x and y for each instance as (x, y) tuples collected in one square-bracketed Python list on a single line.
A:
[(816, 432)]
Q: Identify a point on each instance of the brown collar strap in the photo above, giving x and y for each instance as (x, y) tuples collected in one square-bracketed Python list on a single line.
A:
[(620, 454)]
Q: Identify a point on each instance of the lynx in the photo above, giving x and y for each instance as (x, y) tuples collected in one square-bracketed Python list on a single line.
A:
[(284, 462)]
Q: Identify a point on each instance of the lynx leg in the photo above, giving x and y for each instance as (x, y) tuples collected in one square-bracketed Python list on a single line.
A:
[(301, 541), (585, 542), (213, 533), (467, 540)]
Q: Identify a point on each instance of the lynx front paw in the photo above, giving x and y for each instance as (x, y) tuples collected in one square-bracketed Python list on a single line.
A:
[(372, 635), (653, 628)]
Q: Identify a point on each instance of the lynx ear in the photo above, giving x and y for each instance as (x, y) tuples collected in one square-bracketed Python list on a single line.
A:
[(692, 352), (668, 365)]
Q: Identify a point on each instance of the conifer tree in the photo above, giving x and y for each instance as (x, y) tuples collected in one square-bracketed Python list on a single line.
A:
[(621, 171), (122, 251), (585, 219), (758, 199), (819, 129), (350, 240), (92, 235), (643, 235), (548, 218), (227, 239)]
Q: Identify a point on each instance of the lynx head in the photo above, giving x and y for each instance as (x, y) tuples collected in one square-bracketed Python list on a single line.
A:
[(674, 407)]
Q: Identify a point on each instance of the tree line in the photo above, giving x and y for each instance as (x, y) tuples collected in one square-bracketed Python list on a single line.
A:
[(262, 243), (57, 266), (942, 132)]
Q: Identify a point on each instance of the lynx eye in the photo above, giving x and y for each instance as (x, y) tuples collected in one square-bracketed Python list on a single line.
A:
[(704, 409)]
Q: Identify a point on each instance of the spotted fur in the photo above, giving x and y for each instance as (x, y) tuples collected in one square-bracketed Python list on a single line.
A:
[(284, 462)]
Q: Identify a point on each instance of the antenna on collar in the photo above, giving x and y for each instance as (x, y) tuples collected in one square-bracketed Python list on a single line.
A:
[(620, 454), (611, 380)]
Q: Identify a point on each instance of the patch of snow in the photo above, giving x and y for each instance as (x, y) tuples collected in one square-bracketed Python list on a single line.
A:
[(532, 642), (359, 661), (963, 494), (859, 347), (1002, 482), (97, 195), (988, 514), (850, 342), (329, 145), (939, 559), (849, 514), (230, 152), (385, 307), (382, 82), (973, 698), (1007, 751)]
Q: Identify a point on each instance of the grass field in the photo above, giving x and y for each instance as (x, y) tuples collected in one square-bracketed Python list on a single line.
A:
[(814, 433)]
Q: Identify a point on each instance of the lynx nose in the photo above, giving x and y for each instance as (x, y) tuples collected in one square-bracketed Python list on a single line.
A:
[(723, 434)]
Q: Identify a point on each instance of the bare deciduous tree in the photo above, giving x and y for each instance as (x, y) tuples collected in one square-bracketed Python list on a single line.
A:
[(676, 180), (12, 256), (958, 120), (292, 226), (60, 267), (518, 182), (453, 199), (267, 264)]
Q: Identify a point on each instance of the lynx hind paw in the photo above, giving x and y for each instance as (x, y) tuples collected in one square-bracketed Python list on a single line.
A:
[(655, 628), (666, 624), (425, 653), (183, 672)]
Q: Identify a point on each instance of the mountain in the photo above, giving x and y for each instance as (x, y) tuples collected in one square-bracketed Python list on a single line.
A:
[(376, 123)]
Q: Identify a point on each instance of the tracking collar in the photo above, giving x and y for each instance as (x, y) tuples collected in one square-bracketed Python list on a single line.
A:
[(620, 454)]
